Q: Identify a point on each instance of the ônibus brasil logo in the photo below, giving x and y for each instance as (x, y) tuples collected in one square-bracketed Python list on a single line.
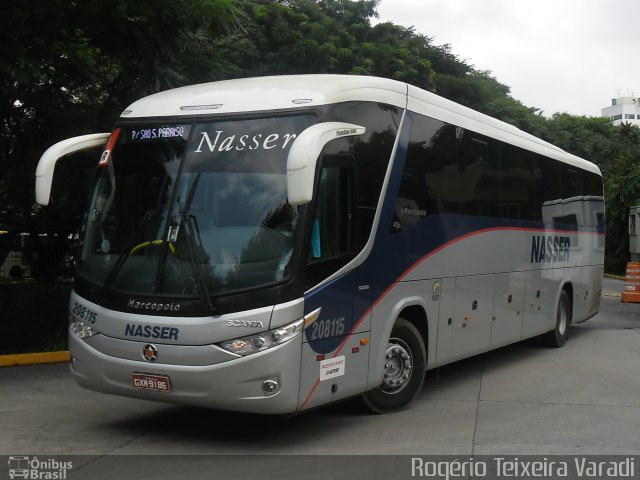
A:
[(22, 466)]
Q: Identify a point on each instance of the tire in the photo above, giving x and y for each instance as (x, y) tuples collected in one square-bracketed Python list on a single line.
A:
[(405, 368), (557, 337)]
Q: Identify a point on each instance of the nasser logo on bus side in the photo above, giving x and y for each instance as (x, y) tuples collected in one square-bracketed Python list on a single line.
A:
[(549, 248)]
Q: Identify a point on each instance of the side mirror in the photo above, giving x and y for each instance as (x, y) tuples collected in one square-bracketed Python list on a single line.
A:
[(304, 153), (48, 160)]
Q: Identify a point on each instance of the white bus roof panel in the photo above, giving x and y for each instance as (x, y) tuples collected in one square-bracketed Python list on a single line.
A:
[(268, 93)]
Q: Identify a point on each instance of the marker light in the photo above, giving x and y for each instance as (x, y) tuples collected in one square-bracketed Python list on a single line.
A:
[(186, 108), (263, 341), (105, 159)]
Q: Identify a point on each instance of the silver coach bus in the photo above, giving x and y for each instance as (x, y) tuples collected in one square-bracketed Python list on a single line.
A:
[(274, 244)]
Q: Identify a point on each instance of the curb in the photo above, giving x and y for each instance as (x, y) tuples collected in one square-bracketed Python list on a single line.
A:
[(34, 358), (617, 277)]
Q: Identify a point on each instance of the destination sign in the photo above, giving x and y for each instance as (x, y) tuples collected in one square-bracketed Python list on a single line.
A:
[(154, 133)]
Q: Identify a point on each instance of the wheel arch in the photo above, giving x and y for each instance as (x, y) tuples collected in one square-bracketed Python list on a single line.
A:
[(414, 310), (417, 316)]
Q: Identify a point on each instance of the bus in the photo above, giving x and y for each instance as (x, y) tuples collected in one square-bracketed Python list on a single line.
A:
[(275, 244)]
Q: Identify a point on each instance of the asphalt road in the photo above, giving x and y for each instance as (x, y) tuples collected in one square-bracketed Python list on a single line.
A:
[(522, 399)]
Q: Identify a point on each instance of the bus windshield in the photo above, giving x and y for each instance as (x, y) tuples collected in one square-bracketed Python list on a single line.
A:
[(192, 209)]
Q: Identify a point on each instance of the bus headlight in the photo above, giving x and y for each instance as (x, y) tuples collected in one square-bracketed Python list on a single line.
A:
[(263, 341), (81, 329)]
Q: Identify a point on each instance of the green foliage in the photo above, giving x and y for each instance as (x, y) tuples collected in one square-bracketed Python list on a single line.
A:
[(621, 170), (327, 36), (68, 68), (586, 137), (473, 89)]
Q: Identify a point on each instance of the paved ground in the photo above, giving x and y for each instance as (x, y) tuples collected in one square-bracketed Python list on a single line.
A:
[(523, 399)]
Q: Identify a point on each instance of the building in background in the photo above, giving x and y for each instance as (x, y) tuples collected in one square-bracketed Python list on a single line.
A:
[(624, 110)]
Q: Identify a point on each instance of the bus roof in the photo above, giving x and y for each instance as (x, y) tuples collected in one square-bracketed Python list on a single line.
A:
[(303, 91), (268, 93)]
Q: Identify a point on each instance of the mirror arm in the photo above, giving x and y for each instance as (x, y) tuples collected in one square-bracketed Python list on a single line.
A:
[(304, 153), (48, 160)]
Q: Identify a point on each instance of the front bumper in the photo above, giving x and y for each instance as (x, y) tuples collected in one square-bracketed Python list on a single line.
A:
[(230, 385)]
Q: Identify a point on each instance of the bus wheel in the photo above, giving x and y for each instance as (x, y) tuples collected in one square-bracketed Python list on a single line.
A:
[(558, 336), (404, 370)]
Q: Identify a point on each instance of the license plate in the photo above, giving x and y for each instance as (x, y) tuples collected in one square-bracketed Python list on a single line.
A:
[(158, 383)]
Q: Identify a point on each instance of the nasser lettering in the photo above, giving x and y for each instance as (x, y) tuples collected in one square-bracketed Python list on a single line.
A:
[(227, 143), (151, 331), (549, 249)]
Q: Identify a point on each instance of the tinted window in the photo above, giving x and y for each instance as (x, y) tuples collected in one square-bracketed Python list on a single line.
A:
[(331, 227), (332, 223), (517, 183), (429, 183), (594, 200), (479, 174), (452, 170), (349, 186), (371, 151), (416, 196), (592, 184), (547, 177), (572, 181), (582, 202)]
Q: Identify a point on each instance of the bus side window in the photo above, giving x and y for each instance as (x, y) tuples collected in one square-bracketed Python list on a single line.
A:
[(547, 178), (478, 174), (516, 180), (331, 227), (333, 221), (429, 183)]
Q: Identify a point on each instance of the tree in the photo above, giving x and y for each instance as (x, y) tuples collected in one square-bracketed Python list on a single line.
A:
[(586, 137), (621, 172), (327, 36), (73, 76)]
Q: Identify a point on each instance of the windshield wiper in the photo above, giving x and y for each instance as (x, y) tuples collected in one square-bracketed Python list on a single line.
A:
[(149, 215), (194, 245)]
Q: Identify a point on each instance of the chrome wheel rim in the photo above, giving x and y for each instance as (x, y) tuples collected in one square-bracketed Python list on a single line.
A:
[(398, 366)]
